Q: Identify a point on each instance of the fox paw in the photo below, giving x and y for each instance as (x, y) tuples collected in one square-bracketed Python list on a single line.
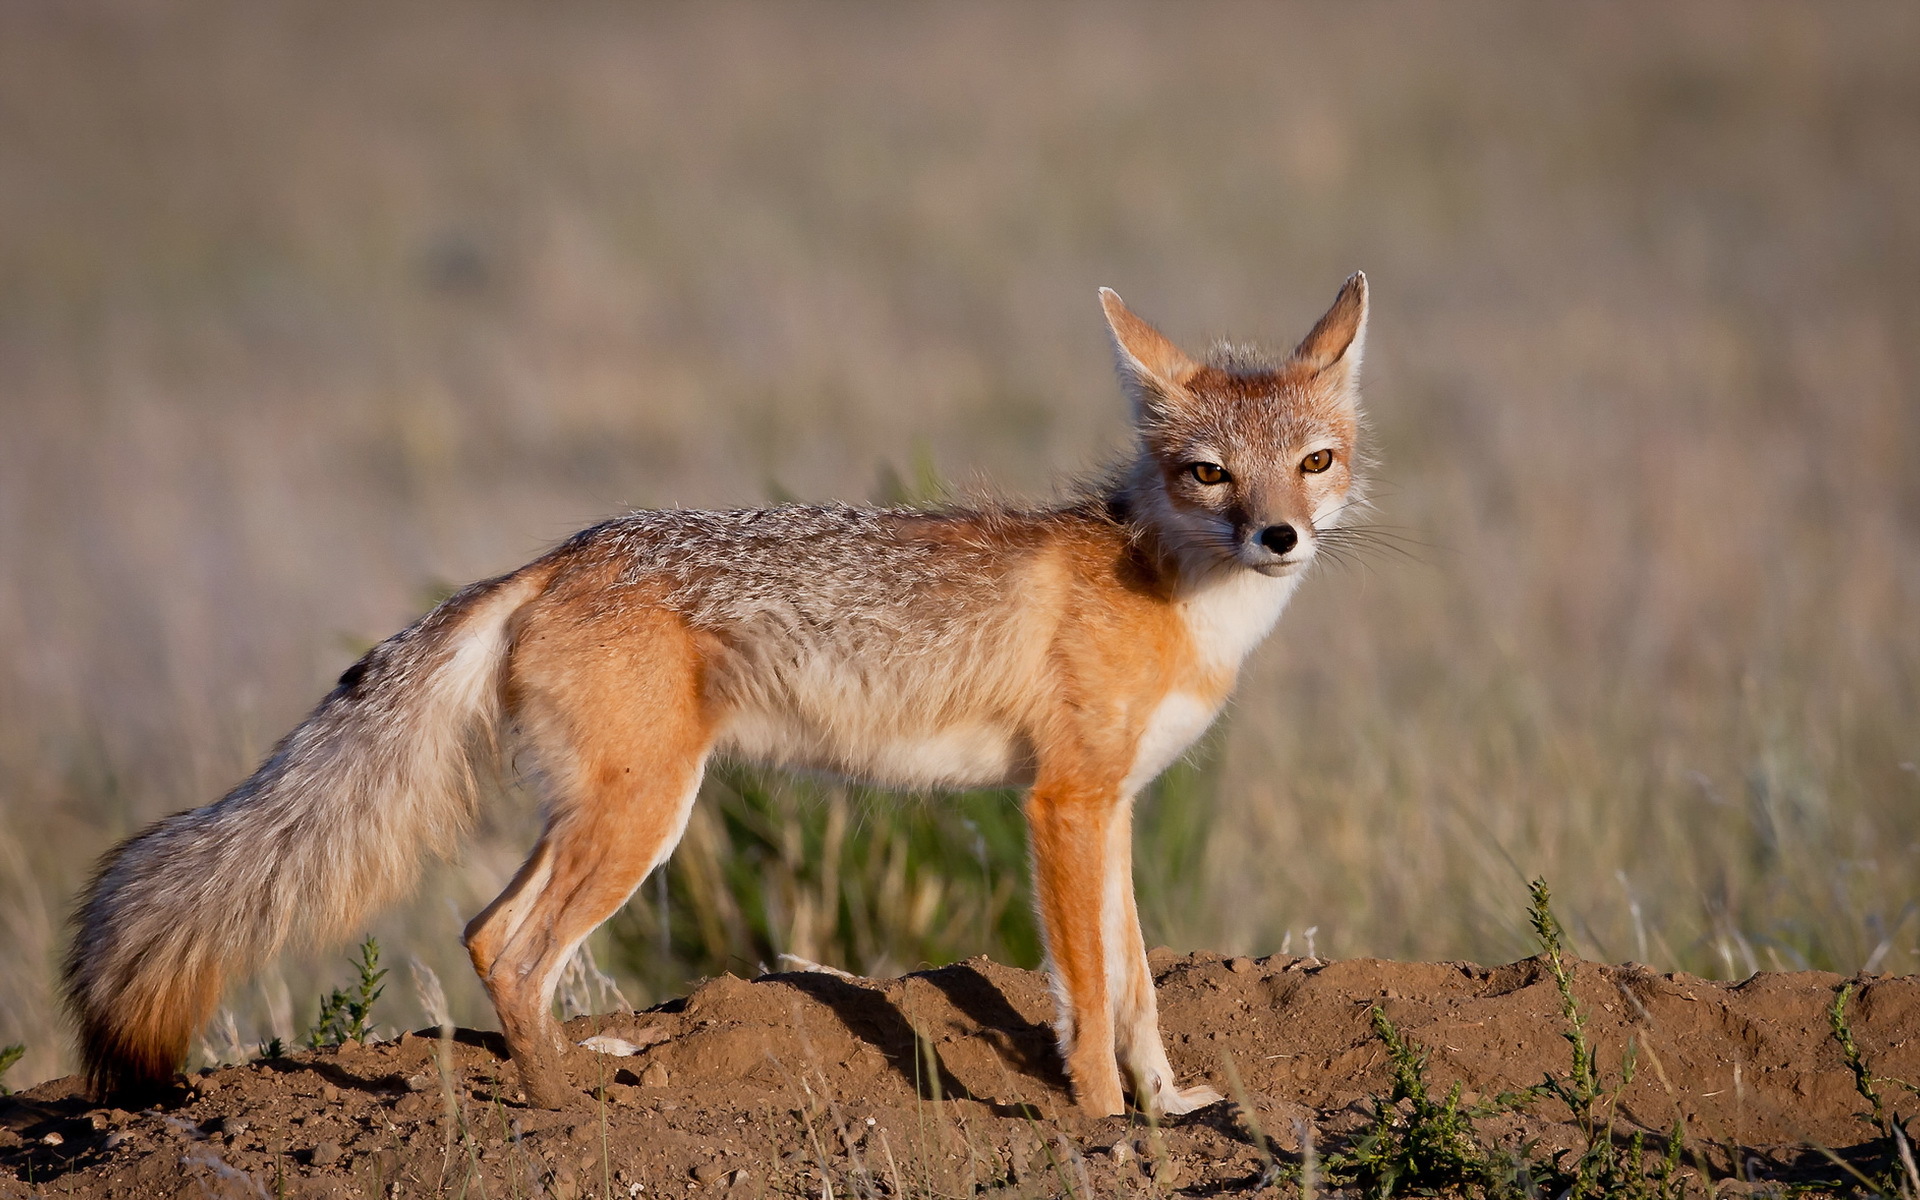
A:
[(1175, 1101), (1167, 1100)]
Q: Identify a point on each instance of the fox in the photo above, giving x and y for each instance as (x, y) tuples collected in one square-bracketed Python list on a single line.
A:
[(1074, 650)]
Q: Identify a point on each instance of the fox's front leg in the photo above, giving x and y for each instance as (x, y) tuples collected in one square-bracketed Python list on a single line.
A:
[(1136, 1013), (1072, 827)]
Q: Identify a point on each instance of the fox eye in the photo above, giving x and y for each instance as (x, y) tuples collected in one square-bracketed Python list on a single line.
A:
[(1207, 473), (1317, 462)]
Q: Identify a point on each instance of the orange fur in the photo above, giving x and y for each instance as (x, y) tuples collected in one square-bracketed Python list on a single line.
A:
[(614, 700)]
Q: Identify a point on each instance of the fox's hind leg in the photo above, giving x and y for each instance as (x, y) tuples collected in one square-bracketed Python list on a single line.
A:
[(615, 720)]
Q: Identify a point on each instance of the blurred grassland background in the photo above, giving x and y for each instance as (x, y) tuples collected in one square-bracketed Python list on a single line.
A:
[(309, 312)]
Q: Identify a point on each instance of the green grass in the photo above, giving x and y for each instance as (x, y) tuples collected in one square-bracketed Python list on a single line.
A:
[(776, 865), (9, 1055)]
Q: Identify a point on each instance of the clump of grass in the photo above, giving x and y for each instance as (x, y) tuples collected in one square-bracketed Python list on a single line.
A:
[(775, 864), (9, 1055), (876, 882), (347, 1015), (1417, 1145)]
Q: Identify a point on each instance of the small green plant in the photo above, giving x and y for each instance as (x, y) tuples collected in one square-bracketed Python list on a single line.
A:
[(1898, 1177), (1863, 1079), (1580, 1088), (273, 1048), (9, 1055), (346, 1016), (1602, 1167), (1419, 1145)]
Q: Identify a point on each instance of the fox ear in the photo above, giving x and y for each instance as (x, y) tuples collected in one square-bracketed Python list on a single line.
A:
[(1152, 368), (1334, 346)]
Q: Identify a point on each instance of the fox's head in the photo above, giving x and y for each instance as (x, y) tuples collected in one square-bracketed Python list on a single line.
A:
[(1242, 460)]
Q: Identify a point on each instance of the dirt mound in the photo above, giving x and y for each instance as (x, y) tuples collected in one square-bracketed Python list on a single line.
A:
[(946, 1081)]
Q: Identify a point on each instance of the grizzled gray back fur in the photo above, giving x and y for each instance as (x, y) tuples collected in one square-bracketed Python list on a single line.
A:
[(831, 582)]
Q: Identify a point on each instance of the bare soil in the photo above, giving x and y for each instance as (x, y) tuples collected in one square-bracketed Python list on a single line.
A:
[(946, 1082)]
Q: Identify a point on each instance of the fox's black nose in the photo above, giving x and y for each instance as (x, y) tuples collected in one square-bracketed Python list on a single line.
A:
[(1279, 538)]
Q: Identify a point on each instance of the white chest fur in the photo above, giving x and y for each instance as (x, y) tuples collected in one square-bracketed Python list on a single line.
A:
[(1226, 620), (1175, 724), (1228, 617)]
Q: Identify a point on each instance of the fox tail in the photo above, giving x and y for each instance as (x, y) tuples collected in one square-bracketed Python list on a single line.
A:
[(330, 828)]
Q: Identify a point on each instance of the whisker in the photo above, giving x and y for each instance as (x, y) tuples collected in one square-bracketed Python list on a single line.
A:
[(1404, 548), (1395, 532), (1363, 541), (1351, 505)]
